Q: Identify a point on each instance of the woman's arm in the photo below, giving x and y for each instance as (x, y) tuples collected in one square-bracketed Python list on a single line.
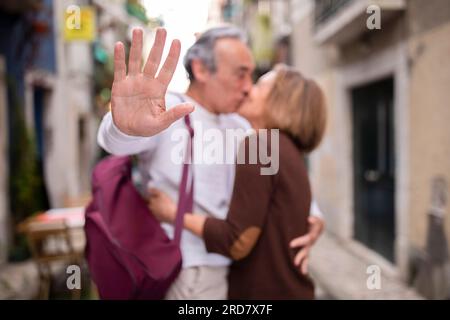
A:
[(236, 236), (195, 223)]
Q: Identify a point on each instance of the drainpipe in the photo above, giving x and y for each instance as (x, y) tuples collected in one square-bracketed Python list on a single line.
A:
[(433, 279)]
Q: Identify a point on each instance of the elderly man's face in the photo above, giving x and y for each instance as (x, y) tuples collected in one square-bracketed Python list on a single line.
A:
[(229, 85)]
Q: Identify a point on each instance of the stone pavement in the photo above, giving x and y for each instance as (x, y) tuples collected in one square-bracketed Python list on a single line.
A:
[(340, 274), (19, 281), (337, 272)]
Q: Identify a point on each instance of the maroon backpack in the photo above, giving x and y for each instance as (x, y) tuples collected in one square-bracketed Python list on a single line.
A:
[(128, 253)]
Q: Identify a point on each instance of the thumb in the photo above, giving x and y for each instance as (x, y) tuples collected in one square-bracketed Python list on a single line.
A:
[(170, 116)]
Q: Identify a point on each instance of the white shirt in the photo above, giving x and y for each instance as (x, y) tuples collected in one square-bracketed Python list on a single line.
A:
[(159, 167)]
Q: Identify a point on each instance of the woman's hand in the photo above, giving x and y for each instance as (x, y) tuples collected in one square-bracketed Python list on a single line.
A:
[(162, 206), (316, 226)]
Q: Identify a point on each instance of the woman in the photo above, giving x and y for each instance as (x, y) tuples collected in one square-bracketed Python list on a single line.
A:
[(266, 211)]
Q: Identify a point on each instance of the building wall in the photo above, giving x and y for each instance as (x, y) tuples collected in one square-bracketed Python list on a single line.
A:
[(429, 52), (3, 166), (327, 170), (414, 48), (67, 161)]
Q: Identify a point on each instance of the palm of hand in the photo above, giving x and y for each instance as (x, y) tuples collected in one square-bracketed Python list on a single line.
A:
[(146, 98)]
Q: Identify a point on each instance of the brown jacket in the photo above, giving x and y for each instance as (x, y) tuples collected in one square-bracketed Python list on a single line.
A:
[(266, 213)]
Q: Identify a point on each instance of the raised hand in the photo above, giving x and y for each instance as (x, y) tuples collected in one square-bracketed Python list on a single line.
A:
[(138, 98)]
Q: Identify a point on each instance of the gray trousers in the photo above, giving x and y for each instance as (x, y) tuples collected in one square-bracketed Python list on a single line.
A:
[(200, 283)]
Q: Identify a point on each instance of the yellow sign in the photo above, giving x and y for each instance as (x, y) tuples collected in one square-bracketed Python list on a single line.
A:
[(79, 23)]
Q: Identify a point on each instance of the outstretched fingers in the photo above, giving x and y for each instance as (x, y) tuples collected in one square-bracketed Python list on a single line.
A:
[(134, 61), (120, 69), (301, 241), (304, 266), (168, 69), (300, 256), (154, 57)]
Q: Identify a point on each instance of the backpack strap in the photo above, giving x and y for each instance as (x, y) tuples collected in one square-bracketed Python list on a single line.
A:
[(186, 188)]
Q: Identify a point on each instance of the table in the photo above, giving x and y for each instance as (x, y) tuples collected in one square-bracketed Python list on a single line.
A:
[(56, 235)]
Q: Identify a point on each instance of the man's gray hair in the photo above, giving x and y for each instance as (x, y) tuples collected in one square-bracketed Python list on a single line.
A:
[(203, 48)]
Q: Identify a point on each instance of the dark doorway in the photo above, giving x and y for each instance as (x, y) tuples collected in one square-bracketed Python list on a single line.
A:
[(40, 98), (374, 166)]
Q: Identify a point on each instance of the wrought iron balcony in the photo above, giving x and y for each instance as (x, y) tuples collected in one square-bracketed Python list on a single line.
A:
[(342, 21), (325, 9)]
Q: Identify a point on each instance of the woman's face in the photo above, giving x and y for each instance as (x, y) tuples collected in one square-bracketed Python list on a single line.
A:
[(253, 108)]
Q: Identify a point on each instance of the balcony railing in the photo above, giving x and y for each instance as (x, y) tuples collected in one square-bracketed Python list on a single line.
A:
[(325, 9), (342, 21)]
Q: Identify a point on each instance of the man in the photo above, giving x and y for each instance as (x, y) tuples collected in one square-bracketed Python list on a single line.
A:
[(220, 69)]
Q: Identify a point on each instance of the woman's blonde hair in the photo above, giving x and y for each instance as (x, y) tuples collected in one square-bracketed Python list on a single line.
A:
[(296, 105)]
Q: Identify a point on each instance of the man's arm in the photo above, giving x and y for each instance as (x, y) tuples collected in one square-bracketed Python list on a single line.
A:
[(112, 140)]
